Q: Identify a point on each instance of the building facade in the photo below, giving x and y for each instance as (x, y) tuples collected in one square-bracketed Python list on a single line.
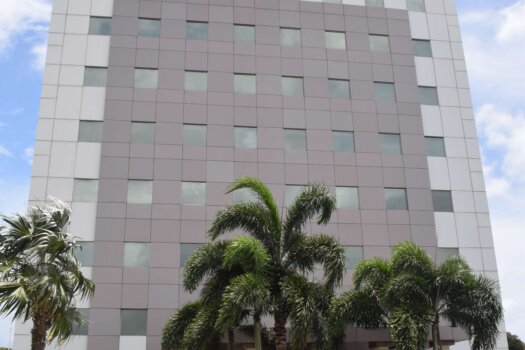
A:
[(151, 107)]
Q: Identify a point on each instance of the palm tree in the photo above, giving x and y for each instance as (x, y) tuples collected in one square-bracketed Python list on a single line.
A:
[(39, 273), (410, 294)]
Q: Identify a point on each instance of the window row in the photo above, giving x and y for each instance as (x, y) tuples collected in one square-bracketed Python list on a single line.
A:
[(412, 5), (133, 322)]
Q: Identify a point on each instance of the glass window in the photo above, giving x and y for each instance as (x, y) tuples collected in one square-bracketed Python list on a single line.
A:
[(291, 192), (445, 253), (245, 137), (377, 3), (99, 26), (333, 1), (140, 191), (416, 5), (244, 195), (396, 199), (136, 254), (194, 135), (84, 253), (90, 131), (187, 250), (343, 141), (292, 86), (195, 81), (194, 193), (335, 40), (149, 27), (294, 140), (347, 197), (290, 37), (390, 143), (421, 48), (142, 132), (428, 95), (146, 78), (435, 146), (85, 190), (197, 30), (133, 322), (83, 328), (338, 88), (95, 76), (442, 201), (379, 43), (353, 255), (385, 92), (245, 83), (244, 34)]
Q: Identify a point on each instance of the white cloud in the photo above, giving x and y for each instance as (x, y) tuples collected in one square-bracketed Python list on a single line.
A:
[(4, 152), (29, 152), (39, 55)]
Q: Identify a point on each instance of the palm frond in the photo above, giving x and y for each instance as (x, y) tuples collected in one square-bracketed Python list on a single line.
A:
[(375, 272), (408, 257), (408, 328), (205, 261), (174, 329), (201, 331), (247, 252)]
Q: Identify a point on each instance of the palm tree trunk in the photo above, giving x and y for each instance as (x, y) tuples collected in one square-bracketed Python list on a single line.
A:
[(435, 331), (438, 336), (280, 332), (257, 330), (39, 331), (231, 339)]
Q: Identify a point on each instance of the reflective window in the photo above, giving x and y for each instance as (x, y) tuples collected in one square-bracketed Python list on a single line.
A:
[(95, 76), (445, 253), (416, 5), (187, 250), (390, 143), (294, 140), (442, 201), (335, 40), (377, 3), (291, 192), (343, 141), (140, 191), (146, 78), (99, 26), (194, 135), (379, 43), (149, 27), (133, 322), (195, 81), (90, 131), (245, 83), (83, 328), (244, 195), (353, 255), (245, 137), (136, 254), (84, 253), (292, 86), (290, 37), (385, 92), (396, 199), (421, 48), (197, 30), (435, 146), (142, 132), (193, 193), (347, 197), (338, 88), (333, 1), (85, 190), (428, 95), (244, 34)]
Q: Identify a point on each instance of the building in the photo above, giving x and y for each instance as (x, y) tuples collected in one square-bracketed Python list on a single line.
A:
[(150, 107)]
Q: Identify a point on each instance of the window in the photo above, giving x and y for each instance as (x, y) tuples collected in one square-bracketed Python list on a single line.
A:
[(136, 254), (140, 191), (142, 133), (291, 192), (194, 135), (84, 253), (195, 81), (99, 26), (95, 76), (442, 201), (338, 88), (82, 328), (385, 92), (445, 253), (146, 78), (376, 3), (133, 322), (197, 30), (347, 197), (290, 37), (343, 141), (292, 86), (396, 199), (353, 255), (416, 5), (379, 43), (335, 40), (193, 193), (244, 195), (428, 95), (421, 48), (245, 83), (85, 190), (149, 27), (187, 250), (390, 143), (294, 140), (90, 131), (435, 146), (244, 34), (245, 137)]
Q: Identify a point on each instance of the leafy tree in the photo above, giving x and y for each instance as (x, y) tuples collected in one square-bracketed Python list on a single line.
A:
[(515, 342), (39, 273)]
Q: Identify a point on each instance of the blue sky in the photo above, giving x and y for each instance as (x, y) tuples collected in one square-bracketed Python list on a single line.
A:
[(494, 40)]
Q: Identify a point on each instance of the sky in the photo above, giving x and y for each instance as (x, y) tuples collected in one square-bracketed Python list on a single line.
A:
[(494, 42)]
